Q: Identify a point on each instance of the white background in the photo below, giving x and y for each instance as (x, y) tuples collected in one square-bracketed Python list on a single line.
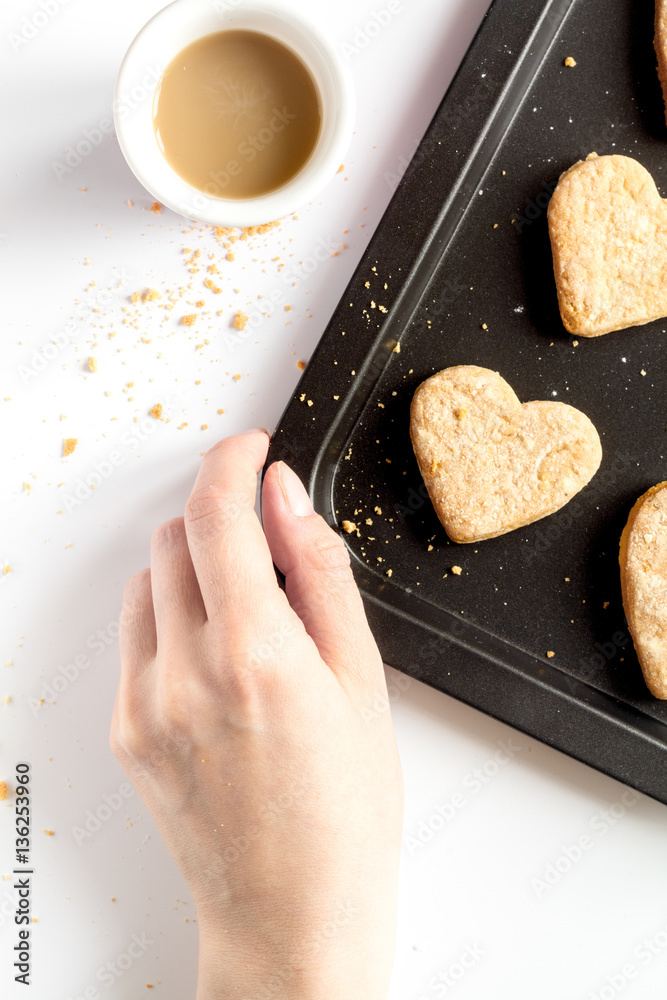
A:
[(476, 883)]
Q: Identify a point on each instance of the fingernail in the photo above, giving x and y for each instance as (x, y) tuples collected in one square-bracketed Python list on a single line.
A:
[(294, 492), (256, 430)]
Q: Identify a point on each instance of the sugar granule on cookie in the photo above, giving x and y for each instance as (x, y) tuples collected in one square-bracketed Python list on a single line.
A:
[(643, 564), (504, 464)]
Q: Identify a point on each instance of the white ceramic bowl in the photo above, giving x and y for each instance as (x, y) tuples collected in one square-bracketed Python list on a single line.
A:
[(182, 23)]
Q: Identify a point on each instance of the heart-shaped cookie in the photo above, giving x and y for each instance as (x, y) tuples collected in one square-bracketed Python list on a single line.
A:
[(660, 42), (491, 464), (643, 559), (608, 229)]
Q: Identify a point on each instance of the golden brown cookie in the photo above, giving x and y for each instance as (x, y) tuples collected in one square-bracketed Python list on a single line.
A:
[(660, 42), (643, 559), (490, 464), (608, 229)]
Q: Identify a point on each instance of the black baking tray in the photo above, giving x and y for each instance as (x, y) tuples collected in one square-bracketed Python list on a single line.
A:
[(459, 272)]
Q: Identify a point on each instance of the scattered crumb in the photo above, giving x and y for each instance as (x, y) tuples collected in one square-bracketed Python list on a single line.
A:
[(301, 365), (341, 168), (156, 411), (240, 320), (457, 570), (397, 349), (189, 320), (92, 364), (237, 377), (3, 790), (550, 653), (49, 833), (6, 569), (388, 572), (605, 605), (69, 445), (570, 61), (156, 207), (642, 372), (349, 527), (575, 343)]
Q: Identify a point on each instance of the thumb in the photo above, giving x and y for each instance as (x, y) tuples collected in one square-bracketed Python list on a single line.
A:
[(318, 579)]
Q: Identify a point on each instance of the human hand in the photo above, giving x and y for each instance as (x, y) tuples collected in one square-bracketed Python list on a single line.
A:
[(240, 720)]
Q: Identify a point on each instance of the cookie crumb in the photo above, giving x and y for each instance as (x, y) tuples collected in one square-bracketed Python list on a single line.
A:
[(189, 320), (388, 572), (156, 207), (69, 445), (550, 653), (49, 833), (301, 365), (570, 61), (92, 364), (605, 605), (349, 527), (397, 349), (240, 320), (156, 411), (3, 790), (456, 570)]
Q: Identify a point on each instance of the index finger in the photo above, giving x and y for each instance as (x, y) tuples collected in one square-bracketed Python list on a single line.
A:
[(229, 552)]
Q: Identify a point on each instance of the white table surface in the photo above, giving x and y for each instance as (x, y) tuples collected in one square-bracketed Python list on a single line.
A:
[(490, 904)]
